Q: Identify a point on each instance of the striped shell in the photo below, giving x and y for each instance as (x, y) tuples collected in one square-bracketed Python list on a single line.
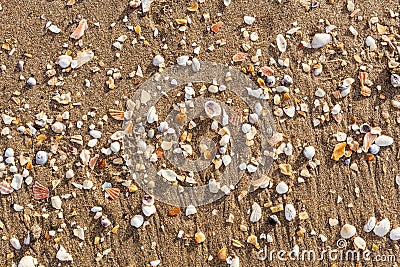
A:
[(40, 191), (112, 192), (93, 161), (117, 114), (5, 188)]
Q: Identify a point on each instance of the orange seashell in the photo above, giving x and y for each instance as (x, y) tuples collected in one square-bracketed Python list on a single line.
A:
[(193, 8), (222, 254), (117, 114), (339, 151), (40, 191), (215, 28), (267, 71), (93, 161), (354, 145), (369, 157), (5, 188), (80, 30), (286, 169), (239, 57), (369, 139), (102, 164), (174, 211), (129, 128), (113, 192), (160, 153), (365, 91)]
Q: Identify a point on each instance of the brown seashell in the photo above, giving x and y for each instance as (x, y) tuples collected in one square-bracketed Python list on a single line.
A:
[(117, 114), (181, 21), (129, 128), (339, 151), (262, 182), (174, 211), (71, 2), (80, 30), (113, 192), (102, 164), (40, 191), (160, 153), (354, 146), (199, 237), (180, 118), (222, 254), (215, 28), (29, 165), (193, 7), (365, 91), (93, 161), (267, 71), (336, 94), (369, 157), (369, 139), (239, 57), (5, 188)]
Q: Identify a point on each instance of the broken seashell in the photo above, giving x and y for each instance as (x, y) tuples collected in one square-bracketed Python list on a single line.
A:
[(117, 114), (384, 140), (282, 188), (286, 169), (395, 80), (222, 254), (239, 57), (321, 40), (370, 225), (212, 109), (137, 221), (5, 188), (82, 57), (369, 139), (40, 191), (339, 151), (215, 28), (290, 212), (80, 30), (256, 213), (359, 243), (382, 227), (281, 43), (190, 210), (395, 234)]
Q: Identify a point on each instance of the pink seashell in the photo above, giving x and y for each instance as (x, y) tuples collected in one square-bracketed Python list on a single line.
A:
[(338, 117), (40, 191), (93, 161), (236, 118), (5, 188), (239, 57), (80, 30), (369, 139), (112, 192)]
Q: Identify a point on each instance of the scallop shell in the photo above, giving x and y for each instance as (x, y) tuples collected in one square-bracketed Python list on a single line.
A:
[(347, 231), (80, 30), (382, 227), (113, 192), (148, 210), (5, 188), (212, 109), (40, 191), (321, 40), (117, 114), (369, 139)]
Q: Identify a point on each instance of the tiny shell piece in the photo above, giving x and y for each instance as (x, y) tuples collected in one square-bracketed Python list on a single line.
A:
[(347, 231), (80, 30)]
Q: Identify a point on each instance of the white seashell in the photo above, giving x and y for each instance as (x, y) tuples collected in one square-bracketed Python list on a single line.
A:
[(41, 157), (15, 243), (370, 225), (69, 174), (256, 213), (137, 221), (290, 111), (281, 43), (9, 152), (18, 207), (251, 168), (395, 234), (195, 65), (226, 159), (359, 243), (382, 227), (115, 147), (336, 109), (96, 209), (347, 231), (158, 61), (182, 60), (31, 81), (224, 140), (321, 40), (249, 20), (169, 175), (190, 210), (213, 89), (95, 134), (235, 262), (163, 127), (165, 145), (58, 127), (79, 233), (62, 255), (92, 142), (146, 5), (152, 115), (320, 92), (290, 212), (384, 140), (370, 41), (87, 184), (309, 152), (212, 109), (395, 80), (64, 61), (82, 57), (56, 202), (155, 262), (27, 261), (227, 2), (17, 181), (148, 210), (214, 186), (282, 188)]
